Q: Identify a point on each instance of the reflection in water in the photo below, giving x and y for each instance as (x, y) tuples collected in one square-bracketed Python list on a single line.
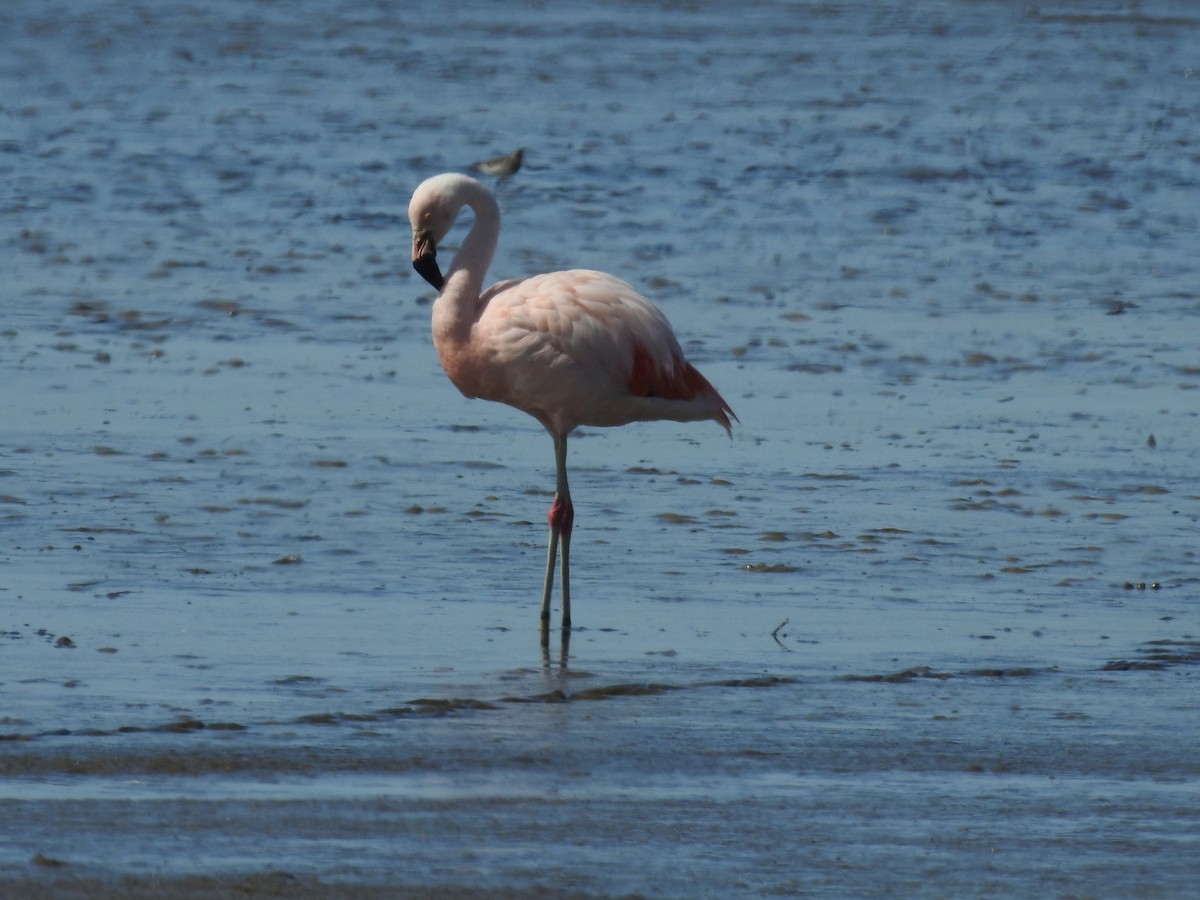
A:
[(563, 652)]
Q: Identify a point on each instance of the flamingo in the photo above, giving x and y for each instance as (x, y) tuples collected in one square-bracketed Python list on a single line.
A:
[(569, 348)]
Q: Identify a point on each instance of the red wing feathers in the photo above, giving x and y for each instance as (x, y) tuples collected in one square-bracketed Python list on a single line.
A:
[(681, 382)]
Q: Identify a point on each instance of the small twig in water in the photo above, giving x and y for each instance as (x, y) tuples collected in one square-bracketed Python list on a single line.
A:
[(775, 633)]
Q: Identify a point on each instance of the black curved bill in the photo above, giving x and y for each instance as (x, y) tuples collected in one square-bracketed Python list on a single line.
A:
[(424, 259)]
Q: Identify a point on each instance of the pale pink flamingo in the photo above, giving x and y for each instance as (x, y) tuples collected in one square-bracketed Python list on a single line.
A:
[(570, 348)]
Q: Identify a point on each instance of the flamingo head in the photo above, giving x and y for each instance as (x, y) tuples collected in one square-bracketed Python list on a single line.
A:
[(431, 212)]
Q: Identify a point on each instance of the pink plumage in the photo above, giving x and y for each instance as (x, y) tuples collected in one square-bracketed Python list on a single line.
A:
[(570, 348)]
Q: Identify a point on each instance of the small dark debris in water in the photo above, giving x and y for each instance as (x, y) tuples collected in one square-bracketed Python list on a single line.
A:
[(978, 358), (1023, 672), (297, 679), (106, 650), (277, 502), (1159, 654), (633, 689), (808, 368), (181, 726), (931, 173), (318, 719), (760, 682), (676, 518), (396, 712), (289, 559), (96, 310), (1151, 442), (901, 677), (764, 567), (266, 884), (230, 308), (334, 718), (827, 535), (439, 706), (555, 696), (66, 642), (1126, 665), (46, 862), (1152, 489), (330, 464)]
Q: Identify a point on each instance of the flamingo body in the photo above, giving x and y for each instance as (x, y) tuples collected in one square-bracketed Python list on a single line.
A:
[(569, 348), (578, 348)]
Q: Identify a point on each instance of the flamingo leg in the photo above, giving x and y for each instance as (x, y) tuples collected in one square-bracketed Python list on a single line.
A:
[(551, 558), (561, 519)]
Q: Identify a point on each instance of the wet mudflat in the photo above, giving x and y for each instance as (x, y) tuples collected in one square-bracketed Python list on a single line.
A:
[(927, 626)]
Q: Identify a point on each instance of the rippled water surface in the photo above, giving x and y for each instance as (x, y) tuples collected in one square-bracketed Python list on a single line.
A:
[(926, 626)]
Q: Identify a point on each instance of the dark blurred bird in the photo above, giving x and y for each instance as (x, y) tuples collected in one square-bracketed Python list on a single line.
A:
[(501, 166)]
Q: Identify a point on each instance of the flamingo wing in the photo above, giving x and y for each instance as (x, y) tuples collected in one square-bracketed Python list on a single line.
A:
[(584, 348)]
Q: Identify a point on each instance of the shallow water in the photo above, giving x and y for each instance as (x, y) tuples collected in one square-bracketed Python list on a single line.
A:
[(927, 625)]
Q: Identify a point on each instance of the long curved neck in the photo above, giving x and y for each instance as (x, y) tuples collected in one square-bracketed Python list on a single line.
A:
[(457, 306)]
